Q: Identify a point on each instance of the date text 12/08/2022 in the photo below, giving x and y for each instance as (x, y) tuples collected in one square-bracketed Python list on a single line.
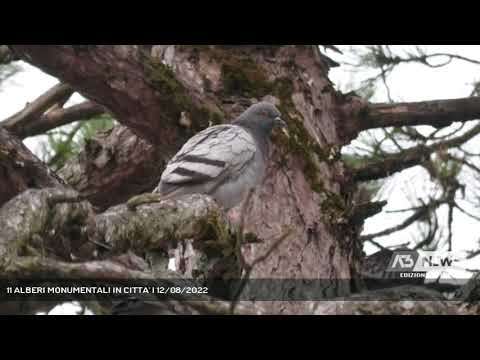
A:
[(126, 290)]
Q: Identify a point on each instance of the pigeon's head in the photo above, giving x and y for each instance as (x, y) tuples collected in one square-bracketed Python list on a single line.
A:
[(261, 117)]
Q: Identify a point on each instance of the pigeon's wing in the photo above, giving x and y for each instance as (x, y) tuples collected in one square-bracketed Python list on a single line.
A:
[(210, 157)]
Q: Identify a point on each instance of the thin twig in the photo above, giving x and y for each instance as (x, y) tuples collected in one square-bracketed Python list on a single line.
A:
[(240, 233), (373, 242), (466, 212), (422, 211), (249, 267)]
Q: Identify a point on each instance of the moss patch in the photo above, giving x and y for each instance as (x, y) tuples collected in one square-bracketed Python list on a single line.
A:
[(242, 76), (174, 98), (203, 117), (217, 246), (300, 142), (172, 94)]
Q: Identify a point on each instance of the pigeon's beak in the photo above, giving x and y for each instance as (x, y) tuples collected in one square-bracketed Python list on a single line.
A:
[(282, 125)]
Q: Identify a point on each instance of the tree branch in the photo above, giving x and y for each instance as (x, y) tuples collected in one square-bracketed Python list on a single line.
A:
[(114, 166), (393, 163), (437, 113), (420, 213), (55, 118), (61, 222), (42, 229), (35, 109), (140, 90)]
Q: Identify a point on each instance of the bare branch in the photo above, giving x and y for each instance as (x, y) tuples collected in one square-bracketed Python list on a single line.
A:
[(39, 267), (333, 48), (393, 163), (424, 59), (241, 226), (35, 109), (438, 113), (249, 268), (464, 162), (466, 212), (420, 213), (365, 210), (378, 245), (55, 118), (472, 254)]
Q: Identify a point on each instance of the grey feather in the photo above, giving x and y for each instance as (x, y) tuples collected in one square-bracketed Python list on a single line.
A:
[(223, 161)]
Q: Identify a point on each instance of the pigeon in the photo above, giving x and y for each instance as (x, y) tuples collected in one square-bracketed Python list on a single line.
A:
[(223, 161)]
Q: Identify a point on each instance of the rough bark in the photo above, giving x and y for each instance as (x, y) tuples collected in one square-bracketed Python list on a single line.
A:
[(114, 166), (357, 115), (437, 113), (20, 169)]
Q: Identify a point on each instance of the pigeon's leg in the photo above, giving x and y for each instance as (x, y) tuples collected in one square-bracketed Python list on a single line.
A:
[(136, 201)]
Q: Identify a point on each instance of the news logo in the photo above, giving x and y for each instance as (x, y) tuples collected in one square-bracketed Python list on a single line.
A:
[(412, 263)]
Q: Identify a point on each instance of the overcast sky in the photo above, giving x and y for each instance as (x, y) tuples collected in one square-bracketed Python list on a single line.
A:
[(413, 82)]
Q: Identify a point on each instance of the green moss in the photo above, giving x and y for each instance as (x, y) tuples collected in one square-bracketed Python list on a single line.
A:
[(217, 246), (203, 117), (164, 81), (176, 100), (334, 205), (299, 142), (284, 88), (172, 93), (221, 231), (242, 76)]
